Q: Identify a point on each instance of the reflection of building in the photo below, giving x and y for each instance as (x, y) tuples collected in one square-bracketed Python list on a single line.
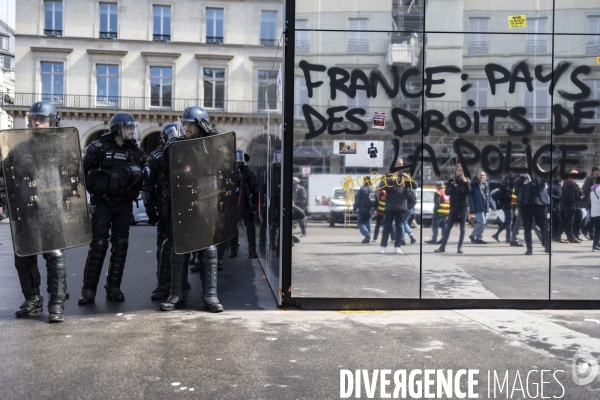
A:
[(92, 59), (7, 74)]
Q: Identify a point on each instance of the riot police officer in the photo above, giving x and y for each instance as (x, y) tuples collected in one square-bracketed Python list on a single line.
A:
[(43, 115), (155, 185), (250, 195), (113, 170), (194, 124)]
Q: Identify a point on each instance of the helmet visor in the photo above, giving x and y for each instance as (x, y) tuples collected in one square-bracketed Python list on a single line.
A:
[(129, 130), (40, 121), (169, 132), (239, 156)]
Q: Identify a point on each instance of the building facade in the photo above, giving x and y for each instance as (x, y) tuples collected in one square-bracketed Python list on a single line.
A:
[(151, 59), (7, 74)]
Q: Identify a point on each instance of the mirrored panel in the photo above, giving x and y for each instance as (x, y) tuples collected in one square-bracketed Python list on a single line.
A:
[(355, 15), (487, 121), (576, 188), (481, 17), (349, 108), (580, 17)]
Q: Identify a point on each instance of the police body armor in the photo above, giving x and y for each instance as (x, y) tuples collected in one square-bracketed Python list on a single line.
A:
[(43, 176)]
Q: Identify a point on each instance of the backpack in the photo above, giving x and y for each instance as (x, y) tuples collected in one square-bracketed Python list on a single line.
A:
[(411, 198)]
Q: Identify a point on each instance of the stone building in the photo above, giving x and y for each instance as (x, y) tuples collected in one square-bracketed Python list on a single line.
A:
[(7, 74)]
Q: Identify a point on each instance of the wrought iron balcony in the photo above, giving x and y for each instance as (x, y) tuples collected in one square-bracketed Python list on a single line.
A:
[(53, 32), (214, 39), (131, 104), (108, 35), (161, 38), (478, 46), (536, 46), (358, 45), (592, 47), (267, 42)]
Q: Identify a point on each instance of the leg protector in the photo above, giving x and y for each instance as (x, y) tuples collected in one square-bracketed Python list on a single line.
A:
[(234, 244), (179, 269), (163, 274), (211, 301), (93, 268), (57, 285), (115, 269)]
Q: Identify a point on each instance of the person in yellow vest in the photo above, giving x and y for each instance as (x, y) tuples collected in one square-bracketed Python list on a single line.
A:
[(441, 209), (380, 215), (506, 198)]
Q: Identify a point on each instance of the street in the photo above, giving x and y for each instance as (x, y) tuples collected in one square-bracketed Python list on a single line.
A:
[(258, 351)]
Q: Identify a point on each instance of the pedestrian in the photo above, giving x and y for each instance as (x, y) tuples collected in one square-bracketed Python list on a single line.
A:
[(301, 201), (595, 212), (534, 199), (398, 190), (194, 124), (571, 202), (458, 188), (441, 209), (586, 188), (153, 187), (505, 202), (380, 216), (113, 170), (557, 213), (480, 203), (41, 115), (364, 202), (248, 212)]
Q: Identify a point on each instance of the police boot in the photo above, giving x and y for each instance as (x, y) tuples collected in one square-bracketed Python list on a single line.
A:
[(211, 301), (163, 274), (32, 306), (178, 295), (115, 270), (234, 245), (57, 285), (251, 232), (93, 268)]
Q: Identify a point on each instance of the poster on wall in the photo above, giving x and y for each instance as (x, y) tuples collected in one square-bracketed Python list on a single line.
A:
[(379, 120), (360, 153)]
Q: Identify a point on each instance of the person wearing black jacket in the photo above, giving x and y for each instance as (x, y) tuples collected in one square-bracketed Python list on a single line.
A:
[(534, 199), (505, 202), (250, 191), (363, 206), (557, 214), (571, 203), (459, 189)]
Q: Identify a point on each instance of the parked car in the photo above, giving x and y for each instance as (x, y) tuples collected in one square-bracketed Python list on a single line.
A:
[(424, 211), (139, 211), (338, 208)]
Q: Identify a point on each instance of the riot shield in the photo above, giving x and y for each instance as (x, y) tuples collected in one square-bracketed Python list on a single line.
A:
[(45, 190), (203, 191)]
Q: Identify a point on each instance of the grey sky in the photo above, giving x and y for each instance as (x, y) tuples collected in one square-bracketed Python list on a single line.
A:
[(7, 12)]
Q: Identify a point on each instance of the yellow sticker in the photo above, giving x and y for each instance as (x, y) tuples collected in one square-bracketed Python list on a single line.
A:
[(517, 21), (597, 60)]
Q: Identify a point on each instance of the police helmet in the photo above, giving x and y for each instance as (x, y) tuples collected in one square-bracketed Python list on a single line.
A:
[(42, 114), (239, 157), (195, 122), (124, 125), (169, 132)]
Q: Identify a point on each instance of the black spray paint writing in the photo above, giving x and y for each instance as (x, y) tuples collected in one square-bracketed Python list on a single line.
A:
[(459, 121)]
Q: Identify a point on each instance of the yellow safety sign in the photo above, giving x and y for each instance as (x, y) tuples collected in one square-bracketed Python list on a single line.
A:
[(517, 21)]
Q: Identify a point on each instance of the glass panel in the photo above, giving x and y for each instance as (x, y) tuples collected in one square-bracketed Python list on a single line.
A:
[(101, 69), (576, 211), (166, 21), (491, 115), (576, 16), (505, 16), (113, 69), (157, 20), (343, 132), (48, 15), (268, 24), (103, 17), (167, 72), (399, 15), (101, 86), (155, 71), (46, 67), (208, 94), (113, 18), (58, 15)]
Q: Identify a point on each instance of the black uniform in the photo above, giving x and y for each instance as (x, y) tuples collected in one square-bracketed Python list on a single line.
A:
[(154, 187), (113, 177), (249, 188)]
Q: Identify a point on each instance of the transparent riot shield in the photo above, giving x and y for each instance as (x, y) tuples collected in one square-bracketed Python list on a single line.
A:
[(45, 190), (203, 191)]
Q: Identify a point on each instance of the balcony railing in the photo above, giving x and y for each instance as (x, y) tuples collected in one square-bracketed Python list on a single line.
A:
[(535, 46), (108, 35), (267, 42), (161, 38), (214, 39), (90, 102), (358, 45), (592, 47), (302, 46), (53, 32), (478, 47)]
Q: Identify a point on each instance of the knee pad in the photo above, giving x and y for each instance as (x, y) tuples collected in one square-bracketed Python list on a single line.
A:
[(120, 246)]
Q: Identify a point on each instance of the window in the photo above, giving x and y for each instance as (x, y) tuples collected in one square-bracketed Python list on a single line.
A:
[(479, 42), (267, 90), (359, 101), (162, 24), (12, 63), (537, 102), (107, 84), (593, 41), (358, 41), (161, 81), (1, 62), (53, 18), (300, 96), (4, 43), (214, 25), (108, 21), (214, 88), (268, 25), (594, 85), (52, 82), (302, 41), (478, 93), (536, 42)]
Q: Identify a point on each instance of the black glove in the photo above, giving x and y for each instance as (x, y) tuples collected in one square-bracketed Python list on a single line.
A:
[(152, 214)]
